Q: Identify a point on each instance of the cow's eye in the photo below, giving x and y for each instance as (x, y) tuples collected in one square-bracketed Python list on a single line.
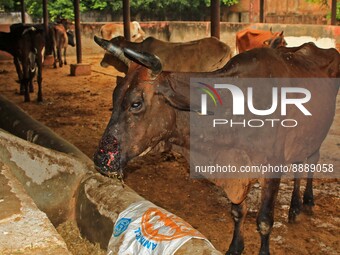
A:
[(135, 106)]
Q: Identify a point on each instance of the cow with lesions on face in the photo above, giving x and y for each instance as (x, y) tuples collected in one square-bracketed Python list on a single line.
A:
[(150, 106)]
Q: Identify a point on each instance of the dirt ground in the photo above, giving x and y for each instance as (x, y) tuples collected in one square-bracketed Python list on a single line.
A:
[(77, 108)]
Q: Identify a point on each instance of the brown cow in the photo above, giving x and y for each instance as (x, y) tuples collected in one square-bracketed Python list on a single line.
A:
[(251, 38), (152, 106), (176, 57), (111, 30), (62, 36)]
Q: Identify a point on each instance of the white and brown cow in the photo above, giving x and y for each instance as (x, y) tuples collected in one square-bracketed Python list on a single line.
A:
[(111, 30)]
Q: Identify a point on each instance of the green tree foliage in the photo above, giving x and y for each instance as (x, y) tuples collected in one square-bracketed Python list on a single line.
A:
[(324, 3), (147, 9), (56, 8), (6, 5)]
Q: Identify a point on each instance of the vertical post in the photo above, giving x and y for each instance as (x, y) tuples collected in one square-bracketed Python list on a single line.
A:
[(333, 12), (22, 8), (45, 17), (77, 28), (126, 19), (215, 18), (261, 11)]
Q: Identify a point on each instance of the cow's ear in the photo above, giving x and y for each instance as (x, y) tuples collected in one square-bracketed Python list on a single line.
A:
[(177, 100), (173, 98), (281, 34)]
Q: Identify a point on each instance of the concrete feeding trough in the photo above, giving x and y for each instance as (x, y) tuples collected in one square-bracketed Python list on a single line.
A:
[(51, 181)]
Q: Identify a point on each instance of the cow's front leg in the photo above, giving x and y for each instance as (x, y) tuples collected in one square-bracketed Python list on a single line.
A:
[(265, 218), (238, 213)]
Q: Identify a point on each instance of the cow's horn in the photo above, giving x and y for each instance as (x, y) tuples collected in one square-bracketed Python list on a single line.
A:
[(113, 49), (148, 60)]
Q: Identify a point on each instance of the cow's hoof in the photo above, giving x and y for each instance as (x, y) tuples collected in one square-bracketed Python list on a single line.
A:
[(292, 218), (293, 213), (233, 252), (307, 209)]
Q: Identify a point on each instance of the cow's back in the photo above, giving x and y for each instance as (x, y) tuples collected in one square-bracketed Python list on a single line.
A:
[(204, 55), (323, 59), (111, 30)]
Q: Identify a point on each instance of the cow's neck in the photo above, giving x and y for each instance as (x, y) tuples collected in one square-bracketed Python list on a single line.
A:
[(181, 135)]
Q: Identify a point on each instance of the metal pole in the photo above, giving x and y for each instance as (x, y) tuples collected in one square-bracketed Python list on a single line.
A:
[(23, 17), (215, 18), (333, 12), (77, 28), (126, 19), (261, 11)]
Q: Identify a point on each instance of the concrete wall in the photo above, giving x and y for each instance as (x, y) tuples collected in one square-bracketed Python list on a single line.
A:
[(13, 17), (324, 36), (288, 12)]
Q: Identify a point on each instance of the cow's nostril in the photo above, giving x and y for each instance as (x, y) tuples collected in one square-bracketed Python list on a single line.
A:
[(107, 156)]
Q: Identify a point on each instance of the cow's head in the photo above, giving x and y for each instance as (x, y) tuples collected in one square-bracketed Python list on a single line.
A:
[(277, 40), (70, 37), (144, 111)]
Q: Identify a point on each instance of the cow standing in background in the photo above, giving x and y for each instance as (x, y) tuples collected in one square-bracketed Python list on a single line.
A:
[(25, 43), (151, 106), (63, 36), (178, 57), (251, 38), (111, 30)]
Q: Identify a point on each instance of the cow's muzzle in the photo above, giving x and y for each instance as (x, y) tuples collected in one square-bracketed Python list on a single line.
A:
[(107, 158)]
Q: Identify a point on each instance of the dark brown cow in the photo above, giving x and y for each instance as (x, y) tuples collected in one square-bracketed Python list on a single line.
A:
[(152, 106), (111, 30), (329, 65), (177, 57), (251, 38), (25, 43)]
